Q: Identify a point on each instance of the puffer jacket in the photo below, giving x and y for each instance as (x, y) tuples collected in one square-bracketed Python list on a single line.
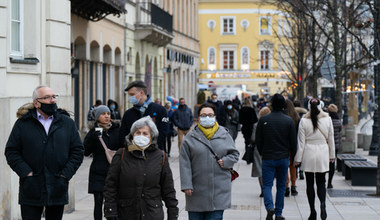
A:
[(337, 124), (136, 185), (99, 165), (53, 158)]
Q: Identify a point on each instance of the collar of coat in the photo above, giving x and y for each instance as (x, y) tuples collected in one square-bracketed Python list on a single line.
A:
[(321, 114), (28, 111), (300, 110)]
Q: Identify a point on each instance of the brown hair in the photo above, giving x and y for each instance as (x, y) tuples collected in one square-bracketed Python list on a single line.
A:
[(291, 111)]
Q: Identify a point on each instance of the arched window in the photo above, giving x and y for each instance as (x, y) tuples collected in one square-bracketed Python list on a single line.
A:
[(211, 58), (244, 58)]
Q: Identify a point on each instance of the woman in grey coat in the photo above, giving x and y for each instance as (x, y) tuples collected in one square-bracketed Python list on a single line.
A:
[(205, 180)]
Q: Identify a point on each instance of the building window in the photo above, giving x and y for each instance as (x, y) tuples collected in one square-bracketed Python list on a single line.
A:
[(265, 26), (211, 58), (228, 25), (17, 28), (228, 59), (245, 58), (284, 28), (264, 59)]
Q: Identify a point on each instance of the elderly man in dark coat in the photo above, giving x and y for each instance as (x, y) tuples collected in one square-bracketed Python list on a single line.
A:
[(45, 151)]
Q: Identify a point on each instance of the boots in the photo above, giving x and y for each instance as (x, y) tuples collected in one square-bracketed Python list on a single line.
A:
[(313, 215), (287, 192), (301, 175), (293, 191), (323, 211)]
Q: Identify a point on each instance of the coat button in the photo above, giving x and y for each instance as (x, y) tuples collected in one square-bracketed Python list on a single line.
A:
[(110, 209), (142, 195), (144, 174)]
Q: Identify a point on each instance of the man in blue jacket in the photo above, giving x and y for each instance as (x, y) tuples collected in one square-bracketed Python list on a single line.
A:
[(183, 120), (275, 139), (45, 150), (143, 106)]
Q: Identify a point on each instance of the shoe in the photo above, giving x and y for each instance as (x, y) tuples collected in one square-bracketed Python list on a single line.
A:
[(301, 175), (293, 191), (313, 215), (280, 217), (287, 192), (270, 214), (261, 195), (329, 186), (168, 155), (323, 211)]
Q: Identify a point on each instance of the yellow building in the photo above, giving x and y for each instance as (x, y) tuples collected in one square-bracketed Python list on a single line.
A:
[(239, 47)]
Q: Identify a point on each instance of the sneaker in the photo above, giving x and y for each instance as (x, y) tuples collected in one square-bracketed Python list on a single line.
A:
[(280, 217), (294, 191), (270, 214), (287, 192)]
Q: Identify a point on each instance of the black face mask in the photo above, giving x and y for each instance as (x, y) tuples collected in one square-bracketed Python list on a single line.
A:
[(49, 109)]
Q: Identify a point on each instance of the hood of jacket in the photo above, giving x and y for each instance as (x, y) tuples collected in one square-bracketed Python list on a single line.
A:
[(25, 111), (300, 110), (321, 114)]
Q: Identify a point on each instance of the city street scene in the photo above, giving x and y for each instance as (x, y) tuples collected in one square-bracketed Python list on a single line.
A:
[(189, 109)]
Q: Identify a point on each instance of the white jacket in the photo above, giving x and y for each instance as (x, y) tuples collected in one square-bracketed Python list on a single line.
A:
[(314, 151)]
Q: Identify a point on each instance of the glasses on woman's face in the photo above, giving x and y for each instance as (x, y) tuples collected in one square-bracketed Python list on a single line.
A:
[(207, 115), (48, 98)]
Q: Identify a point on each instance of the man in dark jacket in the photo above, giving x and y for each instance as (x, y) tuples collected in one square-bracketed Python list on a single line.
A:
[(220, 113), (275, 140), (45, 150), (143, 106), (183, 120)]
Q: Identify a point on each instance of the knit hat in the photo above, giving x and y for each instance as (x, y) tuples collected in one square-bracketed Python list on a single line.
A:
[(332, 108), (97, 111)]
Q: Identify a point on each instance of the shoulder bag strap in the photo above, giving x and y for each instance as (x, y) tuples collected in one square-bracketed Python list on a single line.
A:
[(122, 154), (323, 134)]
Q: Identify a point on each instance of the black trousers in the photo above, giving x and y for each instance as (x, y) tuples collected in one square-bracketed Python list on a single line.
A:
[(98, 208), (35, 212), (168, 144), (320, 179)]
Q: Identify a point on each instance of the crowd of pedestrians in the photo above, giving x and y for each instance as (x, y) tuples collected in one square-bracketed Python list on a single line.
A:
[(130, 175)]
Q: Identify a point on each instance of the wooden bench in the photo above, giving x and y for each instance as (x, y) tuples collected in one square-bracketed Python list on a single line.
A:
[(347, 157), (361, 173)]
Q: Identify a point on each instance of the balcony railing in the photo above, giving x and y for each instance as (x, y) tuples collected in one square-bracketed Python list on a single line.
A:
[(153, 24), (95, 10)]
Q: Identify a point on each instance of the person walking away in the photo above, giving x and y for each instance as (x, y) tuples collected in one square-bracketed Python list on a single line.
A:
[(301, 111), (45, 150), (114, 108), (337, 124), (232, 120), (316, 148), (206, 180), (257, 162), (100, 164), (247, 118), (292, 169), (170, 134), (276, 140), (143, 106), (220, 113), (183, 120)]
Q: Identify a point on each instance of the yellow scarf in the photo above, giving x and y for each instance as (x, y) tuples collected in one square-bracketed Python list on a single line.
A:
[(209, 132)]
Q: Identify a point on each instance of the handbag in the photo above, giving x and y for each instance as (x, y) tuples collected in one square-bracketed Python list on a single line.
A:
[(109, 153), (234, 173)]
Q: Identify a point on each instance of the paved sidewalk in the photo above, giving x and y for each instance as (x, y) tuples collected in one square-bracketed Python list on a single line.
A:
[(348, 202)]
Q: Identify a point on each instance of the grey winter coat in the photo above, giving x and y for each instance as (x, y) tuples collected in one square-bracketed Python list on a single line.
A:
[(200, 172)]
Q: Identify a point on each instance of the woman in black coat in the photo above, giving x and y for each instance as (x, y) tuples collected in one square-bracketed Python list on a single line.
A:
[(99, 165), (247, 117)]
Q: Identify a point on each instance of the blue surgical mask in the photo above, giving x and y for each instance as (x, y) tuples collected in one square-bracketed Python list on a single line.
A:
[(112, 107), (229, 107), (207, 121), (134, 100)]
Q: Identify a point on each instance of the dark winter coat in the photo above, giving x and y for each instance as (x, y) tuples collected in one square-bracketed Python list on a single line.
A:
[(276, 136), (136, 186), (53, 158), (337, 124), (232, 123), (183, 118), (220, 113), (99, 165), (158, 115), (247, 117), (171, 127)]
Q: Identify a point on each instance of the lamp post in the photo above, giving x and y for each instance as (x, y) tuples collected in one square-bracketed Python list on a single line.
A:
[(373, 149)]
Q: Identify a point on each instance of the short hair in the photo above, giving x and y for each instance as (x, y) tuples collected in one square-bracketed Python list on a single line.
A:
[(98, 102), (139, 85), (214, 94), (35, 91), (181, 99), (278, 102), (206, 105), (145, 121)]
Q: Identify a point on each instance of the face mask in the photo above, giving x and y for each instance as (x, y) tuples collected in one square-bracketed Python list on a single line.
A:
[(134, 100), (214, 100), (207, 121), (229, 107), (112, 107), (49, 109), (141, 141)]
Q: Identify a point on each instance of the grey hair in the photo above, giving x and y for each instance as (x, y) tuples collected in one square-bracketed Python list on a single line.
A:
[(35, 91), (145, 121)]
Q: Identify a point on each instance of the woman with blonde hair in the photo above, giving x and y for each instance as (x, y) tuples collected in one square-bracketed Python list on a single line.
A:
[(316, 148)]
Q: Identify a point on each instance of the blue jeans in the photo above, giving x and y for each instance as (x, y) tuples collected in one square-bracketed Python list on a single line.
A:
[(272, 169), (215, 215)]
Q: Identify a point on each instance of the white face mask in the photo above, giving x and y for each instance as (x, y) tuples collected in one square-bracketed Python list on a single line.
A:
[(207, 121), (141, 141)]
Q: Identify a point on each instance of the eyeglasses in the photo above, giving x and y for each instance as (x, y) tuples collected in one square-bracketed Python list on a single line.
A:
[(207, 115), (48, 98)]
